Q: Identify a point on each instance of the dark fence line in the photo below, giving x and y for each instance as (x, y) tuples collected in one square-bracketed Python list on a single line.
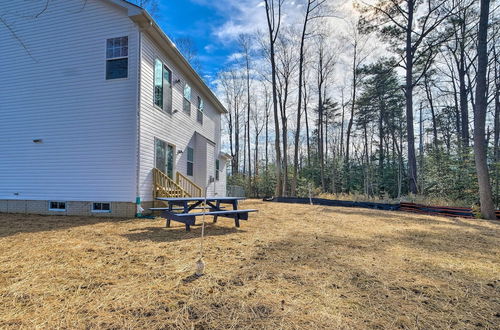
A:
[(333, 202), (446, 211)]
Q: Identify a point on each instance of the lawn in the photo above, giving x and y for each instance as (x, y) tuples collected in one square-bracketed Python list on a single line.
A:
[(289, 266)]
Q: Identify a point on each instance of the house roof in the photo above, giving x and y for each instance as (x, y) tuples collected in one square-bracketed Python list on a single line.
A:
[(146, 22)]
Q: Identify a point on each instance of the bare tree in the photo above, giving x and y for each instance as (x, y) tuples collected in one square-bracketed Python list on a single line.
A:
[(245, 42), (233, 88), (357, 42), (313, 10), (480, 147), (286, 64), (324, 69), (188, 49), (273, 16)]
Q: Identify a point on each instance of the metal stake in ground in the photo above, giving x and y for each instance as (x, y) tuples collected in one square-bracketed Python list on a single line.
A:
[(200, 264)]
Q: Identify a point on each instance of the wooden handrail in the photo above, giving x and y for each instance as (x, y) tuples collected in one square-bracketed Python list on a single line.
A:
[(188, 186), (163, 186)]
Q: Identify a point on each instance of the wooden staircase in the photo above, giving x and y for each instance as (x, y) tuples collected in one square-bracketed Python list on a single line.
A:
[(163, 186), (190, 188)]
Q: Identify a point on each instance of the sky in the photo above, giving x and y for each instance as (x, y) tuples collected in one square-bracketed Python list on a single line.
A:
[(212, 25)]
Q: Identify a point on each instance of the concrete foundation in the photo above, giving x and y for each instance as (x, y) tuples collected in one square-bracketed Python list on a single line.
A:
[(118, 209)]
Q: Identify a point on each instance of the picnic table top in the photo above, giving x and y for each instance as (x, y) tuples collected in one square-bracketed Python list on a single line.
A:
[(198, 199)]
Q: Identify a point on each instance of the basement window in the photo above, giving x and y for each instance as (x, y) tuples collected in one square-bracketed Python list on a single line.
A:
[(117, 58), (101, 207), (57, 206)]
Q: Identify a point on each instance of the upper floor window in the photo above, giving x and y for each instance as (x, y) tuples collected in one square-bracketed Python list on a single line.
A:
[(187, 99), (190, 161), (158, 84), (162, 86), (167, 89), (199, 115), (117, 58)]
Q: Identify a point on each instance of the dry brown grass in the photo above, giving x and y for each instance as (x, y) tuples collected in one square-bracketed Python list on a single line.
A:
[(289, 266), (419, 199)]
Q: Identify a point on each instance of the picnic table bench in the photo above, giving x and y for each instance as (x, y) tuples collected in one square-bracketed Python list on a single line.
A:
[(213, 205)]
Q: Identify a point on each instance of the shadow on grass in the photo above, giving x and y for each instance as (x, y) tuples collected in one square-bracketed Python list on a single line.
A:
[(13, 223), (178, 233)]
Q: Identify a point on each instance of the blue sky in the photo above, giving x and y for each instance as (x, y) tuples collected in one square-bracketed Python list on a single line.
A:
[(213, 28)]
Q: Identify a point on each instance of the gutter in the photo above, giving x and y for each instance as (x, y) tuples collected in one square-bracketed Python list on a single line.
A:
[(178, 56), (138, 117)]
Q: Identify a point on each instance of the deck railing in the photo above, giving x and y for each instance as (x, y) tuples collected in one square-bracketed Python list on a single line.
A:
[(163, 186), (191, 188)]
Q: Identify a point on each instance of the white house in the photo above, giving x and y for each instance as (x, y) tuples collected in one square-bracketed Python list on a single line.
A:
[(93, 97)]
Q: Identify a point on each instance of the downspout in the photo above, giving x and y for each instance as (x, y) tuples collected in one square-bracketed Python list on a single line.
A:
[(138, 123), (138, 199)]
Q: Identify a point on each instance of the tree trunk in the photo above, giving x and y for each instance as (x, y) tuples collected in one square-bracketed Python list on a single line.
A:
[(480, 147), (273, 31), (245, 148), (299, 101), (430, 100), (236, 137), (496, 146), (248, 122), (412, 160), (462, 71), (267, 138), (351, 121), (342, 118), (308, 143), (320, 137)]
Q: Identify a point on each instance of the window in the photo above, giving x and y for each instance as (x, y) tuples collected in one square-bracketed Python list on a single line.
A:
[(167, 89), (162, 86), (187, 99), (164, 160), (217, 169), (199, 115), (190, 161), (101, 207), (158, 84), (117, 58), (57, 206)]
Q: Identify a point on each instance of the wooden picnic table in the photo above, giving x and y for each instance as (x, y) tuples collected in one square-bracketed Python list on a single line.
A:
[(214, 204)]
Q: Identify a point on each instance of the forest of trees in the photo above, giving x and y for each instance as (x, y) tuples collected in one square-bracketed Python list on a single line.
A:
[(386, 99)]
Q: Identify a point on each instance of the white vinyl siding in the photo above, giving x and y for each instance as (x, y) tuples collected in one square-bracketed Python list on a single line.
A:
[(178, 128), (59, 94), (220, 185)]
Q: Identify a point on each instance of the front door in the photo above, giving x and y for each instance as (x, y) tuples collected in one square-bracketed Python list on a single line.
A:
[(164, 157)]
